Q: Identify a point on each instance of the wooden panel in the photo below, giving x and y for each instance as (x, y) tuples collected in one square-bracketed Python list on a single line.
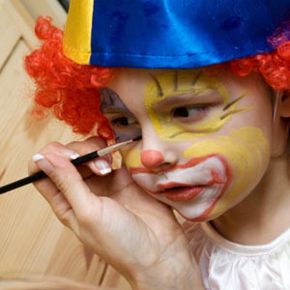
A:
[(71, 259), (46, 7), (9, 35), (29, 231), (32, 239), (22, 19)]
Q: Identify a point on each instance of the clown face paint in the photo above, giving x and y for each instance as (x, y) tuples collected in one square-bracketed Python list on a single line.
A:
[(213, 134), (119, 116), (192, 188)]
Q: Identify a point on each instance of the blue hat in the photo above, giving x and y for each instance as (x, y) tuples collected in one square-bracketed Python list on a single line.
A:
[(170, 33)]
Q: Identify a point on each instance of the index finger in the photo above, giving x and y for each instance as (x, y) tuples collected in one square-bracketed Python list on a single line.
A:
[(68, 181), (56, 148)]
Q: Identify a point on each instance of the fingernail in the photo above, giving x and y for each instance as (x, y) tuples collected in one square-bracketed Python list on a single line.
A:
[(42, 163), (74, 156), (37, 157), (103, 167), (70, 154)]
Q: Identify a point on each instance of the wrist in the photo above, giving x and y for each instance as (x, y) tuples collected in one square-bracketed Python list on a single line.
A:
[(168, 279)]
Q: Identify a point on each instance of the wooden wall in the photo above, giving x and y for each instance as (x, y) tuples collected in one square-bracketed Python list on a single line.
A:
[(32, 241)]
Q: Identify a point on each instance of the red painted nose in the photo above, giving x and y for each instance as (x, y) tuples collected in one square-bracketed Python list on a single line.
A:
[(152, 158)]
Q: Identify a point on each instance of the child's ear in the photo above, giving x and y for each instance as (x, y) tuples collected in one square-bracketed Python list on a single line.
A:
[(281, 112)]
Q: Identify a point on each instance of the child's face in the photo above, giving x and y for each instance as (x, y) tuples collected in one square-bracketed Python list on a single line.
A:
[(205, 139)]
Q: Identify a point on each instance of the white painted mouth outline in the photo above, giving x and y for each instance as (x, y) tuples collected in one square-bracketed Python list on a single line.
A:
[(212, 173)]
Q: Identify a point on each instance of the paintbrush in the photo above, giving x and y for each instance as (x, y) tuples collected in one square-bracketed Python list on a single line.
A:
[(80, 160)]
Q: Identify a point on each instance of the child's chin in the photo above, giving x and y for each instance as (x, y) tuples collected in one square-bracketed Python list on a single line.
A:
[(197, 218)]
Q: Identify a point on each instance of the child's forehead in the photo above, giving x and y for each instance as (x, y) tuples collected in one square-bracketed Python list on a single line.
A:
[(165, 81), (133, 88), (139, 73)]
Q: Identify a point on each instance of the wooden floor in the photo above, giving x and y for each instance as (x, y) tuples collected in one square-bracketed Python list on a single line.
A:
[(32, 241)]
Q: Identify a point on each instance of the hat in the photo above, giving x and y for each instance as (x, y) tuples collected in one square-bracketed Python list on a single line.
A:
[(170, 33)]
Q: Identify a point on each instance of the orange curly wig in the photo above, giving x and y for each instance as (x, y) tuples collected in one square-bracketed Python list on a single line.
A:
[(70, 90)]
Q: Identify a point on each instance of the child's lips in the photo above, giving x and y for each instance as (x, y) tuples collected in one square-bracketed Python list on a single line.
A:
[(200, 179), (179, 192), (185, 194)]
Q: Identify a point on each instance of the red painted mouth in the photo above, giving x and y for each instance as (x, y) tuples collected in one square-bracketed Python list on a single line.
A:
[(175, 191), (183, 194)]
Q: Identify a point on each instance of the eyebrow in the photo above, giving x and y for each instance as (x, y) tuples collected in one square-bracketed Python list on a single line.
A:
[(111, 102), (175, 82), (115, 109), (158, 85), (184, 98), (230, 104)]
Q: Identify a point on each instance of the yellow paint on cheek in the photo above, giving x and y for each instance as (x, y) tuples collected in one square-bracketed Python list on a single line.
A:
[(132, 157), (247, 152)]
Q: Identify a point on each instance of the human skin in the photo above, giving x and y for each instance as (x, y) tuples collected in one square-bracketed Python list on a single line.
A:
[(202, 156), (242, 141), (126, 224), (137, 235)]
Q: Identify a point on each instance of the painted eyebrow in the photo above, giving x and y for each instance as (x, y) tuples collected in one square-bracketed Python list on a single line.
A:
[(175, 82), (158, 85), (115, 109), (184, 98), (111, 102)]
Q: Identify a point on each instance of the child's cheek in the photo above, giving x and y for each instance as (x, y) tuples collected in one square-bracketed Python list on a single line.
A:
[(132, 158), (247, 153)]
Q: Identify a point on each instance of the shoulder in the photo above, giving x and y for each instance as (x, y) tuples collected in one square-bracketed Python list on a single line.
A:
[(224, 264)]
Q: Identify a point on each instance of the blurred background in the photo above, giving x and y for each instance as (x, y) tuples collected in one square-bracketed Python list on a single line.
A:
[(32, 241)]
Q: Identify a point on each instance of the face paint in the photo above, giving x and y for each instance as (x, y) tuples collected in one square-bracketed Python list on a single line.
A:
[(206, 97), (247, 151), (190, 91), (222, 155), (191, 189), (123, 123), (151, 158), (206, 186)]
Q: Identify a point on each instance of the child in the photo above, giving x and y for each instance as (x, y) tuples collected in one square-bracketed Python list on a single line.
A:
[(209, 95)]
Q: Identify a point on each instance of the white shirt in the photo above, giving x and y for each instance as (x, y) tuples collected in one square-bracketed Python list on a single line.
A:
[(226, 265)]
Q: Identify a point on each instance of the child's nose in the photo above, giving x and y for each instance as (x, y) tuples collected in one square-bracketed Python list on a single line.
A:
[(152, 158), (156, 153)]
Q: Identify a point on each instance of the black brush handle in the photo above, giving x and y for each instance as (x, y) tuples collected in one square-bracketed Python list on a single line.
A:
[(82, 159), (21, 182), (40, 174)]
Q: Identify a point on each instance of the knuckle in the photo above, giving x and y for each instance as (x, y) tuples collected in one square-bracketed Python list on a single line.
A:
[(54, 145), (47, 149), (85, 220), (95, 142), (32, 167), (51, 147), (86, 146), (65, 220), (96, 139)]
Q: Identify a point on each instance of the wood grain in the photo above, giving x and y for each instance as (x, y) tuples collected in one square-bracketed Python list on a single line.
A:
[(32, 240)]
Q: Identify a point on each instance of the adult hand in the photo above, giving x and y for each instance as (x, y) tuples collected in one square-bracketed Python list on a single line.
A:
[(108, 212)]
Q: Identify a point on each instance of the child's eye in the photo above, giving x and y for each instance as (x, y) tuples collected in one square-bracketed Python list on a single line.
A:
[(189, 113), (123, 121), (125, 127)]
